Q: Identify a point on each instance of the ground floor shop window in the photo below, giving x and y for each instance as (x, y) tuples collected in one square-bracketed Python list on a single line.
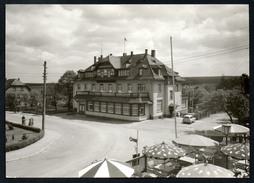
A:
[(118, 108), (111, 107), (126, 109), (97, 106), (134, 109), (90, 105), (115, 108), (103, 107)]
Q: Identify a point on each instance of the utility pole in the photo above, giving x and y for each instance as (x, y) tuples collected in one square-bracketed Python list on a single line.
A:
[(173, 79), (44, 95)]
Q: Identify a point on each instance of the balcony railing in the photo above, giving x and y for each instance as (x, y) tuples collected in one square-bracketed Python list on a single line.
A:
[(113, 94)]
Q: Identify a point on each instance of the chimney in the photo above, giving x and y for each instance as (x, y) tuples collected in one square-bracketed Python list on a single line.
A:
[(131, 53), (94, 59), (110, 54), (146, 51), (18, 79), (124, 54), (153, 53), (101, 57)]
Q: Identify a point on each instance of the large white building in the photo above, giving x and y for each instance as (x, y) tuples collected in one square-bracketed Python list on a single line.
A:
[(132, 87)]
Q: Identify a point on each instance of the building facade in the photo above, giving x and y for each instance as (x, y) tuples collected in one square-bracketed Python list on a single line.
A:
[(132, 87), (19, 90)]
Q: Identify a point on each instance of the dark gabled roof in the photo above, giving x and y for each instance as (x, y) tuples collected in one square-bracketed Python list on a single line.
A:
[(149, 64), (14, 83)]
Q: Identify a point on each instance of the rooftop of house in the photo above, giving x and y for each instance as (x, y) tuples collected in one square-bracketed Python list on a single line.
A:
[(14, 83), (151, 66)]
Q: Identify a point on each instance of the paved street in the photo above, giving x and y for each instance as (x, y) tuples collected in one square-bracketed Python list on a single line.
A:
[(72, 142)]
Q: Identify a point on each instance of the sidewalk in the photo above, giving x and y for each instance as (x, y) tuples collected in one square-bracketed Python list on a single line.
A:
[(38, 147)]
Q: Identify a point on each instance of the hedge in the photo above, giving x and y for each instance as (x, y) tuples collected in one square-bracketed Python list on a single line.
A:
[(24, 143), (31, 128)]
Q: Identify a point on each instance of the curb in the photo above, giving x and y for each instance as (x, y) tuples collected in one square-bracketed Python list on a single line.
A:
[(36, 153)]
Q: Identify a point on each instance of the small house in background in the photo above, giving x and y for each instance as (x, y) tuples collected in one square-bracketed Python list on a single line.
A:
[(132, 87), (19, 91)]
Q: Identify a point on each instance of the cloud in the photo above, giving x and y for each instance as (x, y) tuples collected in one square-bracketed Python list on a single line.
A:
[(69, 36)]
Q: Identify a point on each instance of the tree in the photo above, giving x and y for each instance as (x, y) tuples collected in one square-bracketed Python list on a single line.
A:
[(53, 94), (66, 86), (238, 104), (10, 101), (233, 102)]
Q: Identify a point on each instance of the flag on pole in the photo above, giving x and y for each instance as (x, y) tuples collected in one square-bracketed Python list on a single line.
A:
[(125, 39)]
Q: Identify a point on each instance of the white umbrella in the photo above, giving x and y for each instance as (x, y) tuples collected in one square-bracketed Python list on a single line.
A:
[(195, 141), (106, 169), (205, 170), (234, 129)]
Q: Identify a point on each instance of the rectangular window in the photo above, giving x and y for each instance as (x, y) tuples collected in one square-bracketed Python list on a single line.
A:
[(108, 72), (103, 107), (97, 106), (98, 72), (93, 87), (85, 86), (110, 87), (112, 72), (118, 108), (140, 72), (142, 109), (126, 109), (127, 72), (111, 108), (134, 109), (119, 88), (171, 94), (90, 105), (101, 72), (177, 87), (21, 89), (141, 88), (101, 87), (78, 87), (129, 88), (159, 105), (105, 72), (159, 88), (14, 89)]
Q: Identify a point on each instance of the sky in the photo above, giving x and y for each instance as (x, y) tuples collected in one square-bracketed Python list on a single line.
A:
[(207, 40)]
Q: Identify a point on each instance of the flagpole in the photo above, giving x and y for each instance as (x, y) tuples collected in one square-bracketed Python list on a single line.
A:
[(124, 45), (173, 79)]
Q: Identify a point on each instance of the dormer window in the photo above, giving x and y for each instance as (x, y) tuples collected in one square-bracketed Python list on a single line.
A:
[(159, 72), (140, 72)]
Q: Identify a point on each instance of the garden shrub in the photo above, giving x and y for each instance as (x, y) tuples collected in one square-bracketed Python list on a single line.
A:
[(24, 143), (24, 136)]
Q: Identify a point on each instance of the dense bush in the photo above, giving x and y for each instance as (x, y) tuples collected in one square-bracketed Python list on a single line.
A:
[(24, 143)]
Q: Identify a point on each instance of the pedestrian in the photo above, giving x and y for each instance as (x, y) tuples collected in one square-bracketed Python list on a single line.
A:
[(23, 120)]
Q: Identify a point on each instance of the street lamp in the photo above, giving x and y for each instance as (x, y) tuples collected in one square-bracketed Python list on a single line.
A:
[(226, 130)]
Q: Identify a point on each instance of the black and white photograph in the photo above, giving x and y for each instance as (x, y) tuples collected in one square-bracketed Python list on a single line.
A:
[(127, 91)]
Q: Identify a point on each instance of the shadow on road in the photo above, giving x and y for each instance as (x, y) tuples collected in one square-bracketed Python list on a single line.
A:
[(91, 119)]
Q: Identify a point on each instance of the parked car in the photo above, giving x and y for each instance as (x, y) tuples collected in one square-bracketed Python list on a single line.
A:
[(189, 118)]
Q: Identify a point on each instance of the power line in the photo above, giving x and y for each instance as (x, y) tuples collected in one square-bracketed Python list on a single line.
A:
[(209, 54)]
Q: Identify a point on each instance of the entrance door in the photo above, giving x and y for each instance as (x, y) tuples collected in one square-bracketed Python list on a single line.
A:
[(82, 108)]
